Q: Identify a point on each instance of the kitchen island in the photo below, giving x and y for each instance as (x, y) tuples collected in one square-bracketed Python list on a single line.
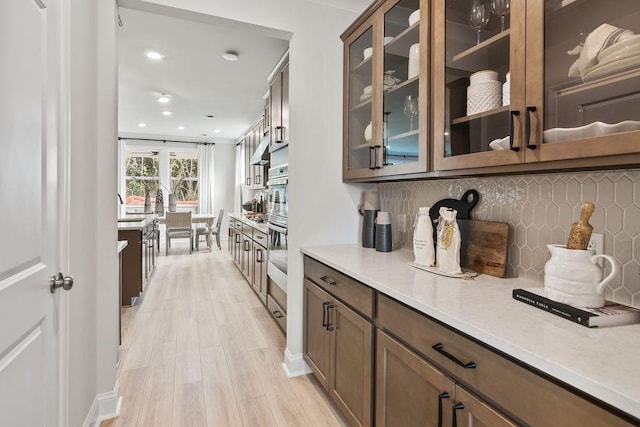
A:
[(598, 364), (139, 256)]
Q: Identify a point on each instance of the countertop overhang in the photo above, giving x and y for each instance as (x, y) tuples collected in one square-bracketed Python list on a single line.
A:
[(601, 362)]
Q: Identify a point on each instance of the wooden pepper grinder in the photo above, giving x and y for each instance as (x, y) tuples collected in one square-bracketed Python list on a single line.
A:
[(581, 230)]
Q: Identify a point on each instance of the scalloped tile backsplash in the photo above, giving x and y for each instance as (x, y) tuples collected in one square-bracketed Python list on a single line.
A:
[(540, 210)]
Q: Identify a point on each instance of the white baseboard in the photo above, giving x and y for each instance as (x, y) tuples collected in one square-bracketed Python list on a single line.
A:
[(294, 364), (105, 406)]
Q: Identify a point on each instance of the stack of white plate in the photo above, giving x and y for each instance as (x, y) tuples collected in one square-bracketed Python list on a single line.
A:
[(618, 57), (484, 92)]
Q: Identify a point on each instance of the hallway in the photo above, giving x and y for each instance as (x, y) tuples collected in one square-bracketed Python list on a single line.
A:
[(201, 350)]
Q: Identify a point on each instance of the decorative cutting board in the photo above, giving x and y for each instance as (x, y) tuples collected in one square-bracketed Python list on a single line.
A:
[(484, 246)]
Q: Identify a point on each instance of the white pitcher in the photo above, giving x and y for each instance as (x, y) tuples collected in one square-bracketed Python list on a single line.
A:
[(573, 276)]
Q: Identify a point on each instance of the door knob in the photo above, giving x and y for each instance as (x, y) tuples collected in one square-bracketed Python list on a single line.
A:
[(59, 281)]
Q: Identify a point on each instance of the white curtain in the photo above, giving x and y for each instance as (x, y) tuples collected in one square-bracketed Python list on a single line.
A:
[(205, 178)]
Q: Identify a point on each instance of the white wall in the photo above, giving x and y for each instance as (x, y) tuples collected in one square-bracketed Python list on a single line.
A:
[(224, 181), (317, 195), (93, 301)]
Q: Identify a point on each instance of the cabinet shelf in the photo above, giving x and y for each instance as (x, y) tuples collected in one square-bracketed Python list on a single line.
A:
[(496, 47), (484, 114), (403, 135), (361, 105), (576, 86), (360, 65), (402, 42)]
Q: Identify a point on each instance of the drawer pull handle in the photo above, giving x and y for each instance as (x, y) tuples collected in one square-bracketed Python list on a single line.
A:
[(439, 347), (277, 314), (329, 281), (457, 406), (443, 395)]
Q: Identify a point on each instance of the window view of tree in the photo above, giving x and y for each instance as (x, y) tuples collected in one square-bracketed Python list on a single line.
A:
[(184, 177), (142, 176)]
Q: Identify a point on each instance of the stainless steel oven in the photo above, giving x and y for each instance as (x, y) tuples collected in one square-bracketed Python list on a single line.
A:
[(277, 213)]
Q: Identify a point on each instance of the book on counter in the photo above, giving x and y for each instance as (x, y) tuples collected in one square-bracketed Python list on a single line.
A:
[(611, 314)]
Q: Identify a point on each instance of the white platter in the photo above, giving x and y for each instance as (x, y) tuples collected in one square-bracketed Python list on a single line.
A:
[(466, 273), (590, 130)]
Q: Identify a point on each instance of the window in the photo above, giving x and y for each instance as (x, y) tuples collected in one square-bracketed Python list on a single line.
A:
[(184, 177), (142, 177)]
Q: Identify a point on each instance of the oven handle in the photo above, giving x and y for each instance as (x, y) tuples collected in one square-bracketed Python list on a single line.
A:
[(278, 181), (277, 228)]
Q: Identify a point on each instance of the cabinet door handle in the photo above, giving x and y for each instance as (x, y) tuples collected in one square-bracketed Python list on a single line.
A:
[(279, 134), (512, 129), (257, 179), (372, 158), (237, 238), (324, 313), (443, 395), (329, 307), (277, 314), (439, 347), (456, 407), (527, 128), (259, 252), (329, 281), (378, 165), (246, 246)]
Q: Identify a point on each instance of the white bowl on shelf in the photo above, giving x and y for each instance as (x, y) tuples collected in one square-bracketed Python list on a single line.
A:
[(491, 87), (500, 144), (414, 17), (483, 76), (367, 52)]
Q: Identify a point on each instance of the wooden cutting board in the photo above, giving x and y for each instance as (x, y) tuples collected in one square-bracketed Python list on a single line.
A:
[(484, 246)]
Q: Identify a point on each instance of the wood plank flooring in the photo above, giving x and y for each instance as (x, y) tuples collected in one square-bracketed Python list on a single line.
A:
[(201, 350)]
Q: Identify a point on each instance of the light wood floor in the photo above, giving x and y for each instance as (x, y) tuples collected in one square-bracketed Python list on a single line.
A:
[(201, 350)]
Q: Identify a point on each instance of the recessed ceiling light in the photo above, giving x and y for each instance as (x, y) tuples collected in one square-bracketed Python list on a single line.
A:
[(154, 54), (230, 55), (141, 125), (167, 113), (180, 127), (164, 98), (204, 134), (209, 116), (216, 130)]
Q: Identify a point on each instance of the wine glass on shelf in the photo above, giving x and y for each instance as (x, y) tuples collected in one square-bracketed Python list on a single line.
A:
[(410, 108), (479, 15), (500, 8)]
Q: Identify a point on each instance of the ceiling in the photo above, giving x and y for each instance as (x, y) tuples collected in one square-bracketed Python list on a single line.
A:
[(193, 72)]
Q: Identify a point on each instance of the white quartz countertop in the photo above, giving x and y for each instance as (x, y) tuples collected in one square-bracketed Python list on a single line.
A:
[(260, 226), (601, 362), (132, 222)]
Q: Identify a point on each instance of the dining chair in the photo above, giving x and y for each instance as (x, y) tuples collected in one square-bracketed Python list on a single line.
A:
[(179, 227), (202, 231)]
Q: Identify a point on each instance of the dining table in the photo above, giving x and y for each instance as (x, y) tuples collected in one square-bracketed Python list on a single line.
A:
[(198, 219)]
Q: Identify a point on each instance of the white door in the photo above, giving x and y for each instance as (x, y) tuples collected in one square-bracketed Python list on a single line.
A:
[(29, 212)]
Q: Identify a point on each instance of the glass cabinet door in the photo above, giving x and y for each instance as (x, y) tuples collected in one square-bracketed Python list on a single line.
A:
[(359, 129), (404, 115), (479, 80), (585, 87)]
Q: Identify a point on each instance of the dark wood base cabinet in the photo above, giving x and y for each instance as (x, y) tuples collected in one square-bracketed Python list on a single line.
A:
[(338, 346), (426, 373)]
